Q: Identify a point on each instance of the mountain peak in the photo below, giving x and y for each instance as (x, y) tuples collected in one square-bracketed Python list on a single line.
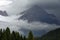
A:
[(35, 7), (38, 14), (3, 13)]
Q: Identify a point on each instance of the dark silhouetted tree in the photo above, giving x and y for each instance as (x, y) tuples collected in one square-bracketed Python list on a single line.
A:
[(0, 34), (8, 33), (24, 38), (30, 36)]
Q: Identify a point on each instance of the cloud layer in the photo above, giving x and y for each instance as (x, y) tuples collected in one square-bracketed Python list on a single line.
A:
[(20, 5), (18, 25)]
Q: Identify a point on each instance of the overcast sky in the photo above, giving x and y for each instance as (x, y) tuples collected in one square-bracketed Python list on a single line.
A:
[(18, 6), (14, 7)]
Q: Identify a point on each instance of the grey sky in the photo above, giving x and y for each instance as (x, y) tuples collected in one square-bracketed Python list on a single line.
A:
[(18, 6)]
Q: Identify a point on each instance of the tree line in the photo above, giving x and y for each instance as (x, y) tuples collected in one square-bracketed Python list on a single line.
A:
[(8, 35)]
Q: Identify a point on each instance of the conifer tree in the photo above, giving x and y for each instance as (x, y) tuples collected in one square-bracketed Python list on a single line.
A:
[(21, 38), (0, 34), (17, 36), (30, 36), (4, 37), (24, 38), (8, 33), (13, 36)]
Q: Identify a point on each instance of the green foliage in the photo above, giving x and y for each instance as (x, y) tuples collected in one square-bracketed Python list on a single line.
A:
[(0, 34), (30, 36), (7, 35)]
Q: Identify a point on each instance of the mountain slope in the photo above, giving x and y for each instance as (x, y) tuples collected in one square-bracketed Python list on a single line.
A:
[(38, 14), (52, 35), (3, 13)]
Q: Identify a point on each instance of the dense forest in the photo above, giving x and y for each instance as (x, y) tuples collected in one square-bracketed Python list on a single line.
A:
[(8, 35)]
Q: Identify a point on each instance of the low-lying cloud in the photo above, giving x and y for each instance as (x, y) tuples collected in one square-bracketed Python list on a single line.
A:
[(17, 25)]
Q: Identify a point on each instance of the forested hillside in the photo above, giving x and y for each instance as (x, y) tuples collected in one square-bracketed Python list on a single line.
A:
[(52, 35)]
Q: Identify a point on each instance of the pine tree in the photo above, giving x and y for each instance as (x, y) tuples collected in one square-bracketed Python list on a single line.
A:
[(4, 37), (13, 37), (30, 36), (8, 33), (24, 38), (17, 36), (0, 34), (21, 38)]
